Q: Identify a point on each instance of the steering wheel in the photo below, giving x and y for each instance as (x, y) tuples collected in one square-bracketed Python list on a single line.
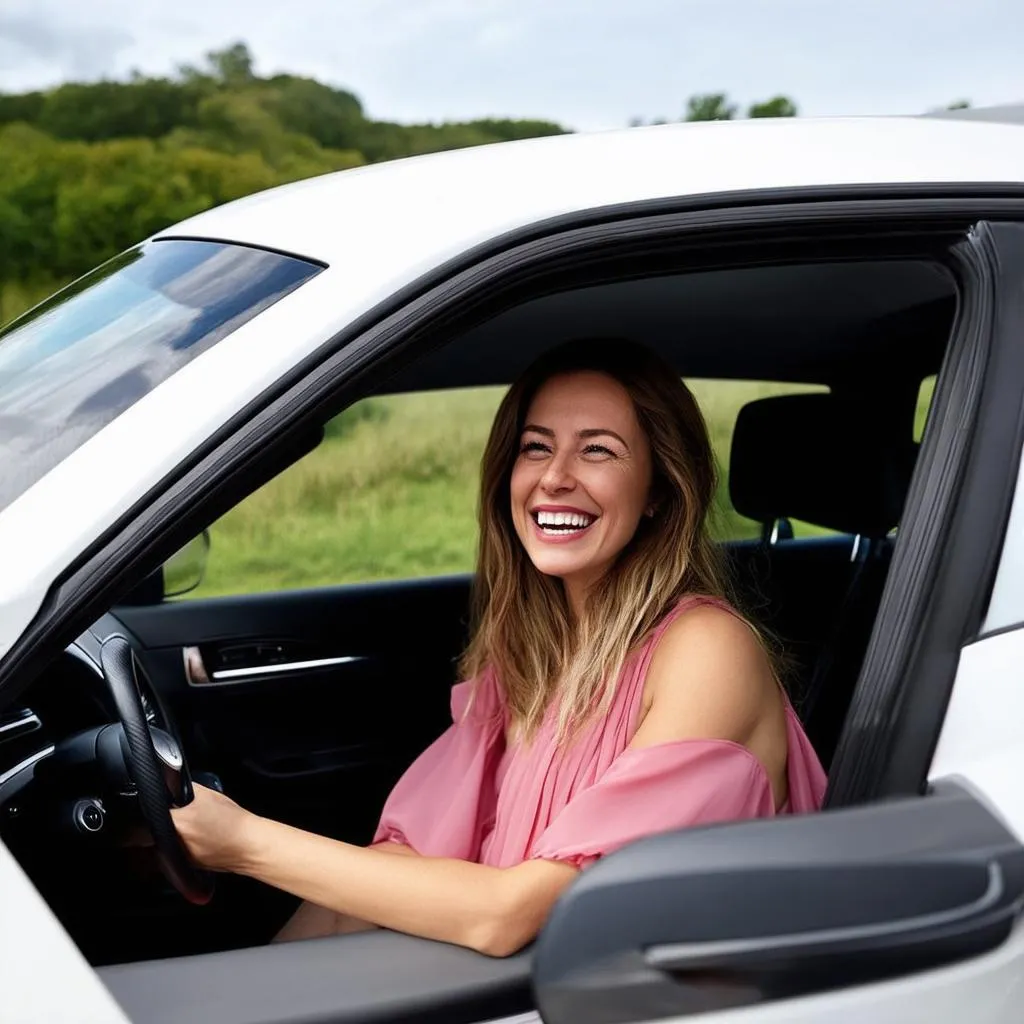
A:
[(157, 766)]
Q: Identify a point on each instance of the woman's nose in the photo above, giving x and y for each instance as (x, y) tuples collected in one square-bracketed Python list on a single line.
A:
[(557, 476)]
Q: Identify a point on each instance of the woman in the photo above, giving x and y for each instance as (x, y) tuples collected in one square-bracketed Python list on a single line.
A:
[(611, 690)]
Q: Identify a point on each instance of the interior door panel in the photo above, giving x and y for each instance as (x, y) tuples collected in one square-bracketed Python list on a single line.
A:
[(315, 700), (307, 708)]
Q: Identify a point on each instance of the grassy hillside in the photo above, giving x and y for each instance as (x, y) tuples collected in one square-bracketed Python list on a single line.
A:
[(390, 493)]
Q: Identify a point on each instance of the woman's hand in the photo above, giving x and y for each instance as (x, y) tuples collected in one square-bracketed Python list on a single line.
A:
[(217, 832)]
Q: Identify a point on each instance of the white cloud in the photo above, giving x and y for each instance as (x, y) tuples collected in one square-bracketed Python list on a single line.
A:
[(587, 63), (37, 48)]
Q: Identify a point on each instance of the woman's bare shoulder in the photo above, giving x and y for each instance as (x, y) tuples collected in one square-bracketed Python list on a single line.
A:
[(709, 678)]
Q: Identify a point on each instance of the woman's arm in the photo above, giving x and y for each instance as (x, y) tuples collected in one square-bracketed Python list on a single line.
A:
[(493, 910), (390, 846)]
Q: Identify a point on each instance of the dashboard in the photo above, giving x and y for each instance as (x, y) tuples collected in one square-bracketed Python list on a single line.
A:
[(69, 696), (72, 823)]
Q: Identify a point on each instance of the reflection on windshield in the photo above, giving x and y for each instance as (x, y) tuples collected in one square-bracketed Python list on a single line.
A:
[(76, 362)]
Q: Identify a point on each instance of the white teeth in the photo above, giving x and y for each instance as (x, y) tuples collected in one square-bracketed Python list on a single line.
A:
[(572, 520)]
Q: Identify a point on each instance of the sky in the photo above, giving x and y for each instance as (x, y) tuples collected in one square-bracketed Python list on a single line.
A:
[(588, 64)]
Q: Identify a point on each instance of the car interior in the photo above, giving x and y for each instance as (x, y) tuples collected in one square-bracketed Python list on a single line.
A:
[(305, 706)]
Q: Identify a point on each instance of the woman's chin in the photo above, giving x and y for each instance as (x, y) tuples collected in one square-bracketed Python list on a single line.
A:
[(559, 564)]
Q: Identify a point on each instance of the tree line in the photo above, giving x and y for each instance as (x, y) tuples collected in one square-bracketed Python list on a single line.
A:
[(88, 169)]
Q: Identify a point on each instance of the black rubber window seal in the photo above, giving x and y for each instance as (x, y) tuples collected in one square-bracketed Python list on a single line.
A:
[(957, 509)]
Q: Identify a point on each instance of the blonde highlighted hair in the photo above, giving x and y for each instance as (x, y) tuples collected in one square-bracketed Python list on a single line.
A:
[(523, 627)]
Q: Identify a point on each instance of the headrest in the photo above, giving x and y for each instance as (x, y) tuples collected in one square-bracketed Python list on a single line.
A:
[(822, 459)]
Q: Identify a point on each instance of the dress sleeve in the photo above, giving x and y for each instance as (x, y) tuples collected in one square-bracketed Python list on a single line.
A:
[(656, 789), (446, 799)]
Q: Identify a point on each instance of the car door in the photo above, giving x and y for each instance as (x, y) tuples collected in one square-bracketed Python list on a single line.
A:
[(906, 909), (300, 702)]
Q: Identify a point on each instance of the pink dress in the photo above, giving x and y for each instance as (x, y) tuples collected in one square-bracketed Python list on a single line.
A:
[(473, 797)]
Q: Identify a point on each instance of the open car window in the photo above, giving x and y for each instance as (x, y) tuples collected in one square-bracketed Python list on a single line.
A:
[(391, 493), (76, 362)]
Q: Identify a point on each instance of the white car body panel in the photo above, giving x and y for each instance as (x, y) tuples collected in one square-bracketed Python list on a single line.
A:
[(982, 739), (379, 228), (44, 979), (1006, 604), (988, 989)]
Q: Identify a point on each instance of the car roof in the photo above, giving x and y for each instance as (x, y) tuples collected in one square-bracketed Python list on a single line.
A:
[(438, 205)]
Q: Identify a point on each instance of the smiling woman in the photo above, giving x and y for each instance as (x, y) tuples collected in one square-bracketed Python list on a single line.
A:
[(611, 691), (578, 491)]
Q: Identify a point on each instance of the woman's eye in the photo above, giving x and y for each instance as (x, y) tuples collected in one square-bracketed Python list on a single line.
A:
[(534, 448), (598, 449)]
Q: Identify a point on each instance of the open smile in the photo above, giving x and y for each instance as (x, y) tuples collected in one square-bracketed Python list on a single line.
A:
[(561, 525)]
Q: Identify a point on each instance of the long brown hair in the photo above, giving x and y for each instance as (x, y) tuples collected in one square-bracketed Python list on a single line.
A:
[(523, 627)]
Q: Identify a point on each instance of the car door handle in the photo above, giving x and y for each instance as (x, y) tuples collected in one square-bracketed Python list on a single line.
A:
[(242, 662), (226, 675), (884, 938)]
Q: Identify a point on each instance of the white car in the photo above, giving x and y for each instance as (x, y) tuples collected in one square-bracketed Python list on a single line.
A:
[(850, 260)]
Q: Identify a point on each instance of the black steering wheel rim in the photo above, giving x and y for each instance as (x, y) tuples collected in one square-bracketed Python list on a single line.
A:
[(149, 772)]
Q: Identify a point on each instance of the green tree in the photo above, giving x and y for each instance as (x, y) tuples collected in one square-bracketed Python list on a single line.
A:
[(332, 117), (709, 107), (778, 106), (233, 65), (25, 107), (509, 130), (959, 105), (93, 112), (29, 186)]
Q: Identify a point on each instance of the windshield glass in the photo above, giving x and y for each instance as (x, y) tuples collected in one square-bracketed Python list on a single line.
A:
[(80, 359)]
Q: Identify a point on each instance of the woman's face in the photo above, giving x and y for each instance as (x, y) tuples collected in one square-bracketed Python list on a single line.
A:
[(582, 478)]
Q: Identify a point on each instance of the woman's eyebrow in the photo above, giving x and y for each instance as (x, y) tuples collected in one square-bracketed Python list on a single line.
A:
[(533, 428), (597, 431)]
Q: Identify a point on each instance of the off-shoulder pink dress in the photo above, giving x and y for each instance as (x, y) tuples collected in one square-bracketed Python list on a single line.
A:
[(473, 797)]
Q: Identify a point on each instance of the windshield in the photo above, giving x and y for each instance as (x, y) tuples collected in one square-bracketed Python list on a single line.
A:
[(79, 360)]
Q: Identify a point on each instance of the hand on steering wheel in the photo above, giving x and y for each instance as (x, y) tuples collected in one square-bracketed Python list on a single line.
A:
[(159, 770)]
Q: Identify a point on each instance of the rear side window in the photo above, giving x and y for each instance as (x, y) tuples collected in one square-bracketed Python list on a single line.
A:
[(720, 401), (925, 394), (77, 361)]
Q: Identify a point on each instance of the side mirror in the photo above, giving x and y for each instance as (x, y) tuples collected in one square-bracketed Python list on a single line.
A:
[(185, 569)]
